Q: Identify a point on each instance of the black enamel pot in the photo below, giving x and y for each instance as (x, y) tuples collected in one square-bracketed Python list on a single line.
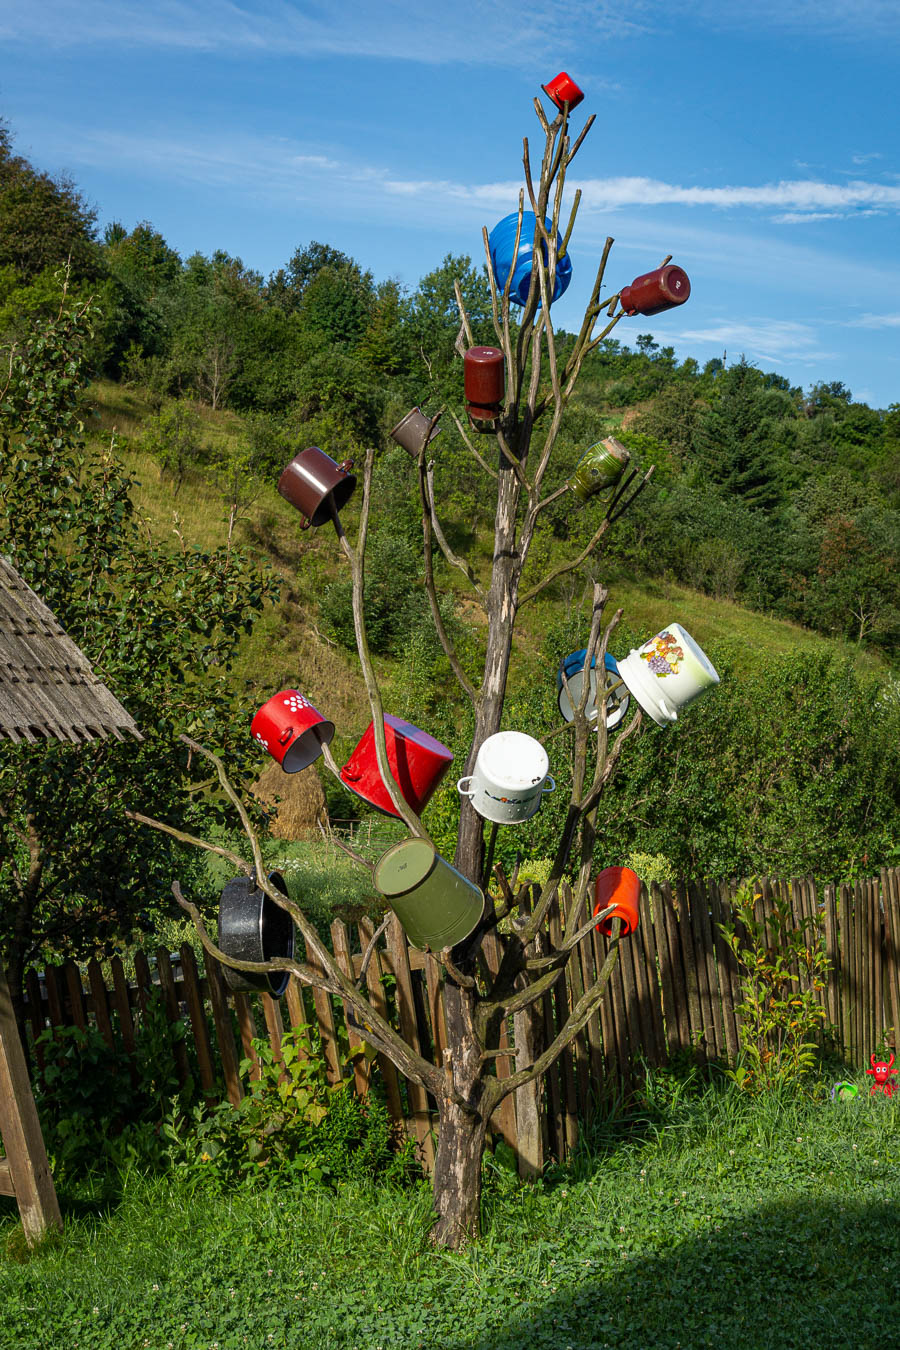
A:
[(253, 928)]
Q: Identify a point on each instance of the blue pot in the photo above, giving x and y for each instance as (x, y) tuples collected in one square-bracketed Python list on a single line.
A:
[(501, 242), (572, 667)]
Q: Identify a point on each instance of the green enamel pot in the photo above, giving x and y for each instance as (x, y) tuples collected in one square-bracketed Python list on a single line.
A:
[(436, 905), (599, 468)]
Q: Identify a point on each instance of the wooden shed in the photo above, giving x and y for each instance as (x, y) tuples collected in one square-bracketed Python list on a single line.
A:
[(47, 689)]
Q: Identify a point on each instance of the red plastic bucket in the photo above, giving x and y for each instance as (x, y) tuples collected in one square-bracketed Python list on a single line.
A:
[(621, 888), (417, 761)]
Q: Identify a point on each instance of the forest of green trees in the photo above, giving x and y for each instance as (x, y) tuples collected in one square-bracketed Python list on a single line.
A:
[(782, 499)]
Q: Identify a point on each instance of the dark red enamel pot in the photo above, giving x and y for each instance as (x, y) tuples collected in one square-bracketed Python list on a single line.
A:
[(563, 89), (417, 761), (484, 376), (655, 291), (316, 485)]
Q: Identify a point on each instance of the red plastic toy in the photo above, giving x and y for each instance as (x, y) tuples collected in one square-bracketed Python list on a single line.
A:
[(885, 1081)]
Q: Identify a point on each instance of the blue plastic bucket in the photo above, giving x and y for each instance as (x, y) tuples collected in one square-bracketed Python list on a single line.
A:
[(572, 667), (501, 242)]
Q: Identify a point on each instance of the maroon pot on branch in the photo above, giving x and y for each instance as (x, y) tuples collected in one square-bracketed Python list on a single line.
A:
[(316, 485), (563, 89), (655, 291), (417, 761), (291, 729), (484, 375)]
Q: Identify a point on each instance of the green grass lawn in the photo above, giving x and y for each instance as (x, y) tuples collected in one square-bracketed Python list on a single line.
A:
[(714, 1221)]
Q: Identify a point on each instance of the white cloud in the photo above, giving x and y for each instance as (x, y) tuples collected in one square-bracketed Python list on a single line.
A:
[(876, 321), (769, 340)]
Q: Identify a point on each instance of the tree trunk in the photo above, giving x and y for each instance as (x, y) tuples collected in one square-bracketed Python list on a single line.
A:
[(457, 1174)]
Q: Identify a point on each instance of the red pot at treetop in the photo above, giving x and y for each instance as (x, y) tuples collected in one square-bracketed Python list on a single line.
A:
[(655, 291), (417, 761), (563, 89), (621, 888)]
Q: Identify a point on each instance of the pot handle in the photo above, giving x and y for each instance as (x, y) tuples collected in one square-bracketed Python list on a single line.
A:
[(465, 792), (285, 738), (345, 466), (552, 781)]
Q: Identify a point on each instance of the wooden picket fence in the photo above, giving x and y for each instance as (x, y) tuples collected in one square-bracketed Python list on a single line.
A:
[(673, 991)]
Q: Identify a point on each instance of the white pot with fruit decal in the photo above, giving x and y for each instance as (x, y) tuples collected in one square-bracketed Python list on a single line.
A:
[(667, 673)]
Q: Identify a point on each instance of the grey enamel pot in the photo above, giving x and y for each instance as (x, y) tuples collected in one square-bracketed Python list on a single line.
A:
[(253, 928)]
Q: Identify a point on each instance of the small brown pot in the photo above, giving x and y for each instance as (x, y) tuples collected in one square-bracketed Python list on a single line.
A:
[(485, 382), (316, 485), (411, 431)]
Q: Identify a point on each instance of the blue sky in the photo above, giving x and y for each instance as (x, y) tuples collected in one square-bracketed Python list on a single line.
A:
[(756, 142)]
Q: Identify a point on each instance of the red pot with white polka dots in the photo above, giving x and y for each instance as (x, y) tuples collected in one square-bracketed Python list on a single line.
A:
[(292, 730)]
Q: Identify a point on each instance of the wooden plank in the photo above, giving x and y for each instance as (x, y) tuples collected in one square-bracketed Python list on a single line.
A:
[(876, 932), (619, 1009), (672, 973), (892, 951), (862, 966), (173, 1012), (725, 966), (650, 956), (340, 943), (56, 1003), (122, 1005), (274, 1024), (326, 1024), (35, 1012), (717, 1027), (689, 965), (696, 905), (833, 978), (247, 1028), (379, 1002), (566, 1061), (296, 1007), (75, 994), (99, 1002), (20, 1130), (575, 987), (528, 1035), (640, 1017), (197, 1014), (845, 916), (727, 895), (503, 1121), (611, 1077), (593, 1029), (228, 1053), (7, 1185), (143, 980), (420, 1121)]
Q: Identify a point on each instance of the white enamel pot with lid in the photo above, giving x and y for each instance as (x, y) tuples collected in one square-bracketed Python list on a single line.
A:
[(510, 777)]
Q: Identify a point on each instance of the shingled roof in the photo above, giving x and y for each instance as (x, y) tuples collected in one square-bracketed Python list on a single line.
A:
[(47, 687)]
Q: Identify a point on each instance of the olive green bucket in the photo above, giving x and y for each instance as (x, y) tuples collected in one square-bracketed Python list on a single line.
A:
[(436, 905), (599, 468)]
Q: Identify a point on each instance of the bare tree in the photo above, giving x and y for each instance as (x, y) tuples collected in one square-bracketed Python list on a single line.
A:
[(477, 1004)]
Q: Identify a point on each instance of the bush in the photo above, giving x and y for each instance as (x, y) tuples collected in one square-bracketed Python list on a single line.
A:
[(291, 1125)]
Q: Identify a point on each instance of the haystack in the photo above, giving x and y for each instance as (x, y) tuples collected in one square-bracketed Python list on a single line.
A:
[(297, 799)]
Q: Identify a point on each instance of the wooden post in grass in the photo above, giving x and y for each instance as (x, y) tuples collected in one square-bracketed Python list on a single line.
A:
[(47, 691)]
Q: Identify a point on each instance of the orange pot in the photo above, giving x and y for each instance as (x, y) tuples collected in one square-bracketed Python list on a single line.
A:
[(621, 888)]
